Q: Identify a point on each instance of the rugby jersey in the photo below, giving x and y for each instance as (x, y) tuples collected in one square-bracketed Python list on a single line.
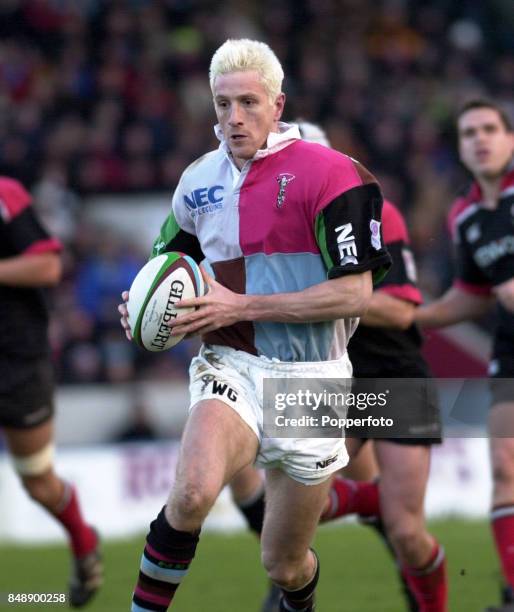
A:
[(23, 311), (385, 351), (484, 244), (296, 214)]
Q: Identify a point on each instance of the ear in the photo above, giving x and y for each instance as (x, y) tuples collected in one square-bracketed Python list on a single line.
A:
[(280, 102)]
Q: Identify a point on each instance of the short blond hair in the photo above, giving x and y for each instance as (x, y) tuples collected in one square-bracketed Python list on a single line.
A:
[(243, 55)]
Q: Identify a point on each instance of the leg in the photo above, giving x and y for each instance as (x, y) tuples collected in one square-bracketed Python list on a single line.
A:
[(32, 452), (404, 472), (216, 444), (293, 511), (247, 489), (363, 465), (502, 515)]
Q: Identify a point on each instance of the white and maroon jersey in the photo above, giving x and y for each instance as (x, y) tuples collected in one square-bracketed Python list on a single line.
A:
[(296, 214), (484, 242), (23, 313)]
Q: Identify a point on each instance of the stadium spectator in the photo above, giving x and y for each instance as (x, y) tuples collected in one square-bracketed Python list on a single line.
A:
[(29, 261), (247, 336), (481, 223)]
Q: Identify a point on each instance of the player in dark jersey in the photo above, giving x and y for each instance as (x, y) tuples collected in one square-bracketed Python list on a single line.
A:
[(482, 226), (29, 261), (387, 345)]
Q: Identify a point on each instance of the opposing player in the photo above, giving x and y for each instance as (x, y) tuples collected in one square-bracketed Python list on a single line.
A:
[(29, 261), (265, 210), (386, 345), (482, 227)]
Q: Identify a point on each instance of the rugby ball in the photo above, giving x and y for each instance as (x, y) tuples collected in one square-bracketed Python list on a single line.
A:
[(158, 286)]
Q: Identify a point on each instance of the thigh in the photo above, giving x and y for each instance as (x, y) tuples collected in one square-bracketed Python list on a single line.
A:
[(246, 483), (292, 514), (404, 473), (216, 444), (26, 442), (363, 464)]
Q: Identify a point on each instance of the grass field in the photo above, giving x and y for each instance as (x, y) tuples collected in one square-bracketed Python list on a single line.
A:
[(357, 575)]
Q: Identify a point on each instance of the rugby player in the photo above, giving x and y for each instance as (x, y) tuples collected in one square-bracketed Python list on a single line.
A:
[(482, 226), (269, 232), (29, 261)]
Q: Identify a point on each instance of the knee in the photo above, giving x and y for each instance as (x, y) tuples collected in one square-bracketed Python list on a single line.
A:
[(282, 570), (193, 501), (405, 536), (503, 471), (39, 489)]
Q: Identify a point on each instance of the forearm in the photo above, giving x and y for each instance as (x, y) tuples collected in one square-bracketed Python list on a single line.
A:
[(388, 311), (334, 299), (39, 270), (453, 307)]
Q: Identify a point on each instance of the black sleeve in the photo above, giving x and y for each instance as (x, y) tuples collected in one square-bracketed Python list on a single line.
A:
[(349, 235), (24, 231), (173, 238)]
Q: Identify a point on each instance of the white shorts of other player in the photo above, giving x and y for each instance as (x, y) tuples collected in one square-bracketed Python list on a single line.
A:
[(238, 379)]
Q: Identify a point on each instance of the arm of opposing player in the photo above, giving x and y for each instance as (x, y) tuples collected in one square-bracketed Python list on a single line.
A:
[(505, 294), (454, 306), (387, 311), (31, 270)]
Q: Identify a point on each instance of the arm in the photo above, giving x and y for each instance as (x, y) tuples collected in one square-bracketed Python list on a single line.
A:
[(41, 270), (346, 296), (505, 294), (388, 311), (453, 307)]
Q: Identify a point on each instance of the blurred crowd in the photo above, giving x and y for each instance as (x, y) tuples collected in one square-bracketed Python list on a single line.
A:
[(112, 96)]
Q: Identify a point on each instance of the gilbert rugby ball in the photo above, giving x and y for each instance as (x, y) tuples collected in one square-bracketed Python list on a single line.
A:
[(158, 286)]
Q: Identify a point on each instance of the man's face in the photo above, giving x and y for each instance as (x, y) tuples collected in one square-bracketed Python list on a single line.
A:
[(245, 113), (485, 144)]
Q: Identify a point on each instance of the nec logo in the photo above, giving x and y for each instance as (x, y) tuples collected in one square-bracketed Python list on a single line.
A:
[(346, 244), (205, 200), (325, 463)]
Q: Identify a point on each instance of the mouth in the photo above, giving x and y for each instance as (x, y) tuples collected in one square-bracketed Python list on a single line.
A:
[(482, 155), (237, 137)]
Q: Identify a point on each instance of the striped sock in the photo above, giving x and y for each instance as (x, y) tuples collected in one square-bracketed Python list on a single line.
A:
[(301, 600), (165, 562), (430, 583), (352, 497)]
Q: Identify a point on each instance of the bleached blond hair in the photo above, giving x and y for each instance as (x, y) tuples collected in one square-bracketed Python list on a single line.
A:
[(243, 55)]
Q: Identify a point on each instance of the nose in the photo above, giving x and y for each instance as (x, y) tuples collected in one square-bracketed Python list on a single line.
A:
[(235, 117)]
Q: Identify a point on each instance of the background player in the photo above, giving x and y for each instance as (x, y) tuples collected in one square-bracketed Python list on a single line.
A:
[(29, 261), (387, 344), (482, 227)]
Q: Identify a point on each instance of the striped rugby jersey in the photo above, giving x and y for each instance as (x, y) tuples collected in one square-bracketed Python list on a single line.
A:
[(296, 214)]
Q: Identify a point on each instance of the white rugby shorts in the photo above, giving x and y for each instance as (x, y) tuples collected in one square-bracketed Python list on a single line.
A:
[(236, 378)]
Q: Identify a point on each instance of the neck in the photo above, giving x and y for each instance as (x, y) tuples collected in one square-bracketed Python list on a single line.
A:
[(490, 190)]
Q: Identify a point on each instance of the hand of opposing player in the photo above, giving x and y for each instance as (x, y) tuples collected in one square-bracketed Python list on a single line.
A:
[(220, 307), (505, 294), (122, 309)]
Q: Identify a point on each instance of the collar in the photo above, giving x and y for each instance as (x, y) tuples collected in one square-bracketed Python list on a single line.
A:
[(475, 192), (276, 141)]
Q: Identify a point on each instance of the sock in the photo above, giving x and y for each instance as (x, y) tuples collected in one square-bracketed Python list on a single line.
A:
[(301, 600), (83, 538), (429, 584), (352, 496), (502, 523), (408, 595), (253, 511), (165, 562)]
